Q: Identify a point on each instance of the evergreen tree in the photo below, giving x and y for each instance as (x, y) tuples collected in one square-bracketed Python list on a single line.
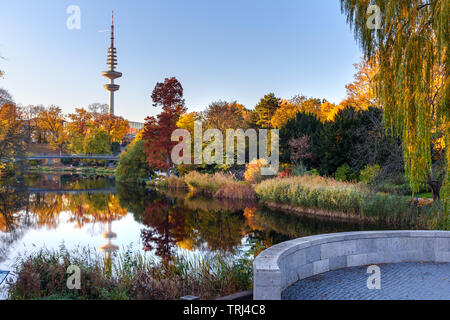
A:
[(300, 126), (266, 109)]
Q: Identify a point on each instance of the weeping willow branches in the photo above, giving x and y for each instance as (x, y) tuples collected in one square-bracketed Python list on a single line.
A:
[(413, 86)]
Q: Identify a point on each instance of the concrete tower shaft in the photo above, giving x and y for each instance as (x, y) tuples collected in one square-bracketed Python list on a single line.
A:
[(112, 74)]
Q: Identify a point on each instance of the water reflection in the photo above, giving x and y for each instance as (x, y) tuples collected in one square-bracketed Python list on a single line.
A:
[(164, 223)]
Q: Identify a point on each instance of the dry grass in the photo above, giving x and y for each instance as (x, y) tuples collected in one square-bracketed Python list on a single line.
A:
[(219, 185), (236, 191), (329, 195), (133, 276)]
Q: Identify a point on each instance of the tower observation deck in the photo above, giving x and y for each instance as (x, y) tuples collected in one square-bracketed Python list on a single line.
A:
[(112, 74)]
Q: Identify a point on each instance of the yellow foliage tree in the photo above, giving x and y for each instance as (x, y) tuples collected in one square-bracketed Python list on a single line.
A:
[(286, 111), (51, 121)]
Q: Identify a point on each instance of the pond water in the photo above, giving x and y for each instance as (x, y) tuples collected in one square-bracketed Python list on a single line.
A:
[(47, 211)]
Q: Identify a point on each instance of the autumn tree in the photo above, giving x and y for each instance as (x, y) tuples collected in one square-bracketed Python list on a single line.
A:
[(286, 111), (329, 110), (158, 131), (77, 129), (98, 108), (29, 116), (51, 121), (11, 134), (412, 85), (5, 97), (116, 127), (225, 115), (361, 92), (265, 109), (300, 149), (187, 121), (168, 94)]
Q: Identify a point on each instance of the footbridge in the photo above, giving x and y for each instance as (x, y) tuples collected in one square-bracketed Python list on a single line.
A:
[(107, 157)]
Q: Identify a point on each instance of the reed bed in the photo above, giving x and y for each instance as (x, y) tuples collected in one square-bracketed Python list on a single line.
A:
[(326, 195), (219, 185), (42, 275)]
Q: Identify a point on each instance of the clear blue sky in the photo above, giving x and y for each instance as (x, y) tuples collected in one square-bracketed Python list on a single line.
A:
[(219, 50)]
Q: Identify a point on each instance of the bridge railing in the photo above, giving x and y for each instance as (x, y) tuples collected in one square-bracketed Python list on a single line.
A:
[(74, 155)]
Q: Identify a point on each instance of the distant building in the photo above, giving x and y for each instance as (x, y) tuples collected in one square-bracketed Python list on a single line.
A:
[(135, 127)]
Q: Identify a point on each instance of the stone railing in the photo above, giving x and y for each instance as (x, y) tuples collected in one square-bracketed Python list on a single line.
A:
[(281, 266)]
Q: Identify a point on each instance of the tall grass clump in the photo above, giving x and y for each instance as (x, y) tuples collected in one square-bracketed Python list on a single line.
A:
[(132, 276), (219, 185), (330, 196)]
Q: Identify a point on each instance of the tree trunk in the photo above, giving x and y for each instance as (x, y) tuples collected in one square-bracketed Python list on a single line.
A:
[(435, 190), (435, 187)]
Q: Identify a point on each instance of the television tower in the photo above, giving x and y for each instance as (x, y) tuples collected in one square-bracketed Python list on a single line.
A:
[(111, 74)]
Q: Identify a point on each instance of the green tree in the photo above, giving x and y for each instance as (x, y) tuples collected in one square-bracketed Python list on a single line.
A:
[(133, 166), (413, 86), (97, 142), (266, 109)]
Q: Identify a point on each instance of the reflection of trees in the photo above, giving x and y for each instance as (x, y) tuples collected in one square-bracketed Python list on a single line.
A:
[(166, 227), (12, 223), (290, 226), (91, 208), (135, 199), (190, 224), (45, 209), (11, 203), (221, 230), (67, 182)]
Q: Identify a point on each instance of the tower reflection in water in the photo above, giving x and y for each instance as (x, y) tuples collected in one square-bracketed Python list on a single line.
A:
[(108, 248)]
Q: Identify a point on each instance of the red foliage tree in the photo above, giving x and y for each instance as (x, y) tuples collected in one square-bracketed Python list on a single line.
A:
[(300, 148), (158, 131), (168, 94)]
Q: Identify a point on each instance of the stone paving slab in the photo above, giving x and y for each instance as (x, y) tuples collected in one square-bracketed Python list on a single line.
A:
[(399, 281)]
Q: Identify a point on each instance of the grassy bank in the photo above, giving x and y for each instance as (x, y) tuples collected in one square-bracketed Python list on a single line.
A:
[(219, 185), (42, 275), (325, 196), (77, 170)]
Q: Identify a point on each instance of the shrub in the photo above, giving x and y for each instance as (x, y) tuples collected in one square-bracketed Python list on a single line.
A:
[(253, 171), (285, 174), (133, 166), (313, 172), (369, 174), (344, 173), (299, 169)]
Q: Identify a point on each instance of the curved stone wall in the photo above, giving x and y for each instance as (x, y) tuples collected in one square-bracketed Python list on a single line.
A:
[(280, 266)]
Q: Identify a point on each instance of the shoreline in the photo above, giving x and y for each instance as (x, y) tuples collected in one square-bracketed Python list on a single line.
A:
[(76, 170)]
